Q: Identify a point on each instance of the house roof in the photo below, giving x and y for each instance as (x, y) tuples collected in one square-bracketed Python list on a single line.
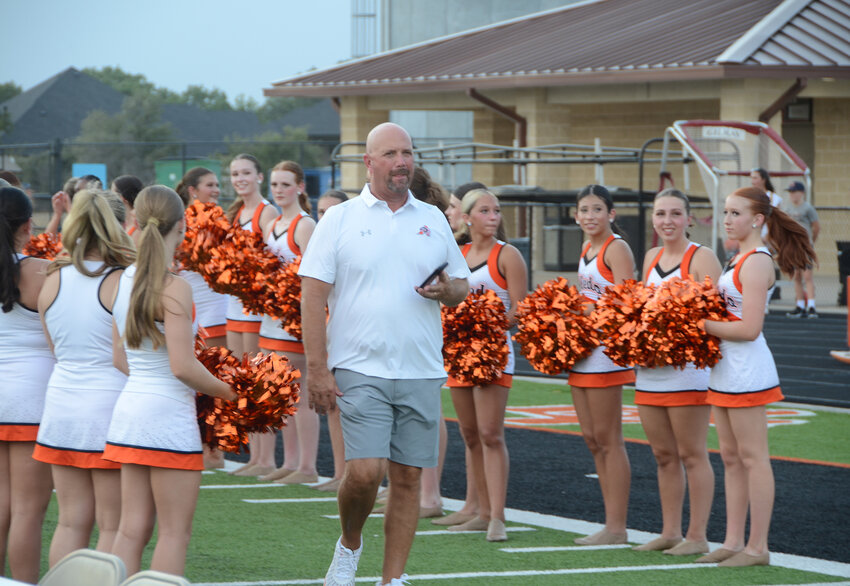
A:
[(56, 108), (608, 41)]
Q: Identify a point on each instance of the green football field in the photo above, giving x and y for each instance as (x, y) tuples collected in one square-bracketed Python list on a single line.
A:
[(250, 533)]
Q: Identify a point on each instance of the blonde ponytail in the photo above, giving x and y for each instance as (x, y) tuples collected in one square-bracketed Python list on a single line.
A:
[(158, 209), (94, 225)]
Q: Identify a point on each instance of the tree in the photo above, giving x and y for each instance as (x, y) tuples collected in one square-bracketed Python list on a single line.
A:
[(131, 83), (139, 121), (275, 108), (9, 90), (208, 99), (272, 147)]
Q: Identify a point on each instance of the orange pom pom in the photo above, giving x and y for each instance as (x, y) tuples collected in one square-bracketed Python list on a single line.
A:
[(618, 317), (206, 228), (45, 245), (267, 391), (280, 297), (670, 334), (475, 343), (554, 333)]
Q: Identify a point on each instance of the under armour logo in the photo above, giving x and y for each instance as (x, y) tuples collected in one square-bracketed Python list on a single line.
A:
[(365, 232)]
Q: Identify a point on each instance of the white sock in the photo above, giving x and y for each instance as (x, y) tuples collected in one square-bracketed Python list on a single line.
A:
[(810, 304), (801, 303)]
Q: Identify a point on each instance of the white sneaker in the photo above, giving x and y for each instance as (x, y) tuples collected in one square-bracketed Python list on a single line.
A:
[(344, 565), (400, 581)]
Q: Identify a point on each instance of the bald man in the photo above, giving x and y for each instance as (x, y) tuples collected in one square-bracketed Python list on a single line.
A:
[(379, 358)]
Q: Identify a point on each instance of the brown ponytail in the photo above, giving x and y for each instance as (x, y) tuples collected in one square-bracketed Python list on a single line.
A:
[(785, 235)]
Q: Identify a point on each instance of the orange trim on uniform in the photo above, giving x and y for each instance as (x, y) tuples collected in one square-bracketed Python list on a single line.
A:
[(75, 458), (685, 265), (255, 219), (599, 380), (154, 458), (735, 279), (506, 380), (18, 432), (250, 327), (290, 234), (281, 345), (751, 399), (213, 331), (652, 264), (671, 399), (131, 230), (492, 263), (606, 272)]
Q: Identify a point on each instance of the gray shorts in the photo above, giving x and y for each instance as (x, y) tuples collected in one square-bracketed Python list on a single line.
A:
[(385, 418)]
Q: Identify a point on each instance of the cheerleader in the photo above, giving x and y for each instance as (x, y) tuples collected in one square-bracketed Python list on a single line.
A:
[(499, 267), (75, 305), (287, 236), (745, 380), (25, 365), (154, 432), (672, 402), (329, 199), (128, 187), (250, 212), (596, 382), (201, 184)]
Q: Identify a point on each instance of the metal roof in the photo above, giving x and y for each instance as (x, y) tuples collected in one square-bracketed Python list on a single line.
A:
[(607, 41)]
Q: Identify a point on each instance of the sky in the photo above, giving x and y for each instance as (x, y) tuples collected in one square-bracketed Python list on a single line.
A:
[(239, 46)]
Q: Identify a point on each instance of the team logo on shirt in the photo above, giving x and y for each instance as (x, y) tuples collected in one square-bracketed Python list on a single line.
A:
[(425, 230)]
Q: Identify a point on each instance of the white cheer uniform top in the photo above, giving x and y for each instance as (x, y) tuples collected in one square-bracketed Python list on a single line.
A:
[(25, 366), (234, 305), (669, 386), (746, 374), (594, 278), (84, 384), (486, 276), (154, 422), (283, 245)]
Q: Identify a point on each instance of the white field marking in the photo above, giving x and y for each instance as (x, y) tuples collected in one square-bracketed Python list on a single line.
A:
[(447, 532), (783, 560), (258, 485), (794, 562), (462, 575), (563, 548), (592, 475), (317, 499)]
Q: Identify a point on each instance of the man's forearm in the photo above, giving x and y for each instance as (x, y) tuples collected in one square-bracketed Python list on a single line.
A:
[(458, 290)]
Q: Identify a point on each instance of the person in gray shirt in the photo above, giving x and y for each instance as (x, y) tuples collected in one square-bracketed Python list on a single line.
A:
[(806, 215)]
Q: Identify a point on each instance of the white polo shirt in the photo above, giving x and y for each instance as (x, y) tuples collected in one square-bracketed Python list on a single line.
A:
[(374, 258)]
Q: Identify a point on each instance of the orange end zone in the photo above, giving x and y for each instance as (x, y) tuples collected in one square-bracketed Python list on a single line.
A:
[(154, 458), (74, 458)]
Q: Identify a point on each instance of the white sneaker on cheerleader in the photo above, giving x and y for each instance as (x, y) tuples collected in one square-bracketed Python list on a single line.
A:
[(344, 565)]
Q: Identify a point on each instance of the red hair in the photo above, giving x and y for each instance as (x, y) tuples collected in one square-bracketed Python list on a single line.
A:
[(785, 235)]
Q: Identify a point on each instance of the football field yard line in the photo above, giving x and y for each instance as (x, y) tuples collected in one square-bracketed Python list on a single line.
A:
[(473, 575)]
